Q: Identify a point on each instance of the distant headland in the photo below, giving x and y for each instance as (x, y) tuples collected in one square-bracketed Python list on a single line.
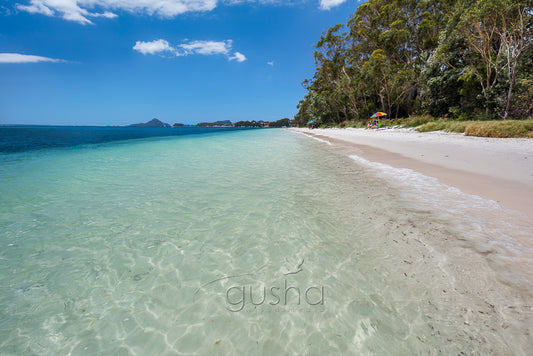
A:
[(152, 123)]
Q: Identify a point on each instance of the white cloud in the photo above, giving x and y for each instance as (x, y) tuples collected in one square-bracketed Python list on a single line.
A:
[(36, 8), (80, 10), (239, 57), (328, 4), (107, 14), (271, 63), (25, 58), (264, 2), (206, 48), (153, 47)]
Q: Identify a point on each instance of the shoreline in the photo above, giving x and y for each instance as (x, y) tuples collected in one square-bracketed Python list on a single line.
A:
[(458, 179), (483, 212), (496, 169)]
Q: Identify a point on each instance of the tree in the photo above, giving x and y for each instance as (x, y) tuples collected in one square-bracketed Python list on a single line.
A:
[(517, 36), (465, 57), (497, 34)]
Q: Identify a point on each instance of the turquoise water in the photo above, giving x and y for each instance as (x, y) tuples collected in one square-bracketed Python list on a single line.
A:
[(258, 242)]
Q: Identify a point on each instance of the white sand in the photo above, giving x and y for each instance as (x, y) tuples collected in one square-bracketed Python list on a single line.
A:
[(493, 168)]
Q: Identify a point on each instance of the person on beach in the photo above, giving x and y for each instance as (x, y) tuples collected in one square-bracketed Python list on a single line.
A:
[(372, 125)]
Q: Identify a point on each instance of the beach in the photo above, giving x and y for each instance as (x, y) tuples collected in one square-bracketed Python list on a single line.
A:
[(493, 168)]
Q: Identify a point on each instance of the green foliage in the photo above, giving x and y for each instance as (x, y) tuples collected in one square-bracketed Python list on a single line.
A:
[(285, 122), (461, 59), (252, 123)]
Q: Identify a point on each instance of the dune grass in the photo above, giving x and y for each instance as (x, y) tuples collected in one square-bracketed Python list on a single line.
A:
[(351, 123), (504, 129)]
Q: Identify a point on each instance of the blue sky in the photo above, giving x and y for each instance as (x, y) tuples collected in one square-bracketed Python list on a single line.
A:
[(117, 62)]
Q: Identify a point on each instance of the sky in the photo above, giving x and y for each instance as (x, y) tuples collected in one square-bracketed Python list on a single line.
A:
[(118, 62)]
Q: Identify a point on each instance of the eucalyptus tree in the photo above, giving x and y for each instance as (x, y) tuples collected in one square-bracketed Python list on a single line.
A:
[(497, 33), (329, 79), (461, 54), (517, 37), (391, 41)]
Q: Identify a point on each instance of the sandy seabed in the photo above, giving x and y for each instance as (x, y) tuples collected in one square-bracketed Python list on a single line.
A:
[(132, 248)]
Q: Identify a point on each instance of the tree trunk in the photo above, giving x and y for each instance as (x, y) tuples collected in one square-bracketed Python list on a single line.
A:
[(512, 78)]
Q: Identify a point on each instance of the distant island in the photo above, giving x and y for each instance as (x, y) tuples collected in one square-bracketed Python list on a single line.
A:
[(285, 122), (152, 123)]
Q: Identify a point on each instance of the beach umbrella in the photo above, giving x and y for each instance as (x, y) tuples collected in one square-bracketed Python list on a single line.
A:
[(378, 114), (311, 122)]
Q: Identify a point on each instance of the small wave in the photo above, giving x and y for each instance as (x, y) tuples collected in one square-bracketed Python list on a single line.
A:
[(315, 138)]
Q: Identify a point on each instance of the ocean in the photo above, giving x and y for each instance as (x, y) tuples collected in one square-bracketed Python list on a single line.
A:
[(138, 241)]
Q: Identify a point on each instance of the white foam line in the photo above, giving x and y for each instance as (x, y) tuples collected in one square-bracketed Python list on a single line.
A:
[(316, 138)]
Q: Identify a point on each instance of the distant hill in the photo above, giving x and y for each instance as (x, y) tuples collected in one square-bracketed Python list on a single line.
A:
[(216, 123), (152, 123)]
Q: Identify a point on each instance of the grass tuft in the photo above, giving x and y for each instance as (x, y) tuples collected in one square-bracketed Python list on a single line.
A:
[(503, 129)]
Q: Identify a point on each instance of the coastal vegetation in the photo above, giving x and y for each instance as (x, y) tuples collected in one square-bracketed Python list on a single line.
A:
[(417, 60), (248, 123), (223, 123), (285, 122)]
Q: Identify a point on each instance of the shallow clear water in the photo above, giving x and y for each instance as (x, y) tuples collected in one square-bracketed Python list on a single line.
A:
[(258, 242)]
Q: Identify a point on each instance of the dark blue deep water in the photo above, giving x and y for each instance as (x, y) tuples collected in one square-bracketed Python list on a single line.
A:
[(26, 138)]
